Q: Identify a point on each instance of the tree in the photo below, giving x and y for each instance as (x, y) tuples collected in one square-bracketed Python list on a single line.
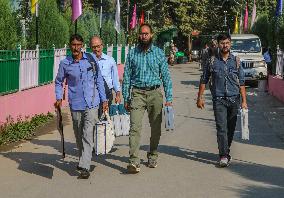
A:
[(53, 29), (261, 28), (8, 29)]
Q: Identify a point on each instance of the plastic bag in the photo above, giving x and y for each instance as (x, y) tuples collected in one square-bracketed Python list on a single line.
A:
[(244, 124)]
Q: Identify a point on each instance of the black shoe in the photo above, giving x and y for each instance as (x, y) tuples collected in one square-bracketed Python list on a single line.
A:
[(133, 168), (85, 174), (79, 168), (152, 163)]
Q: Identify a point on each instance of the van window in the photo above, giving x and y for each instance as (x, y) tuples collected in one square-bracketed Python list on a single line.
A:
[(246, 45)]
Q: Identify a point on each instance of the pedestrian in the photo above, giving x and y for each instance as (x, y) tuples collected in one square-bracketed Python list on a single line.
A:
[(108, 69), (228, 84), (85, 91), (208, 51), (267, 57), (203, 56), (146, 69)]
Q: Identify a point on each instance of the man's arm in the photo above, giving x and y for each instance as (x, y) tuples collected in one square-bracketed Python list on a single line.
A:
[(242, 87), (115, 80), (59, 85), (101, 88), (166, 79), (202, 85), (126, 82)]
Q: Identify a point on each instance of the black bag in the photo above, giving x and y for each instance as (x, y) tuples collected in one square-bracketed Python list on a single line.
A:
[(92, 61)]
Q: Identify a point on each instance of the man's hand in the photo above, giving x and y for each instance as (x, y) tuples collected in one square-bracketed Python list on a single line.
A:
[(168, 104), (127, 106), (58, 104), (200, 103), (244, 105), (105, 106), (117, 98)]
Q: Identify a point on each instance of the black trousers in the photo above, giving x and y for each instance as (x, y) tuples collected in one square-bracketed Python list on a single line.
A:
[(225, 112)]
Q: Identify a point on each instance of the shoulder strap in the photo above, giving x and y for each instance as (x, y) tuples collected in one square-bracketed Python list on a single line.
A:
[(92, 61), (211, 62), (238, 61)]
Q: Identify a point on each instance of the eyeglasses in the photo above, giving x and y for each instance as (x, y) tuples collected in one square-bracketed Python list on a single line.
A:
[(144, 34), (225, 43), (96, 46)]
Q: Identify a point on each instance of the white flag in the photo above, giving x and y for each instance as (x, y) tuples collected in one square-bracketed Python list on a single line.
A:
[(253, 17), (117, 17)]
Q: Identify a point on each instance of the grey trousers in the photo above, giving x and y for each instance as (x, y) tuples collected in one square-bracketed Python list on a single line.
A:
[(83, 126)]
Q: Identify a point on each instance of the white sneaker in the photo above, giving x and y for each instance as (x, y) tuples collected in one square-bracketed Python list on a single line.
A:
[(224, 162)]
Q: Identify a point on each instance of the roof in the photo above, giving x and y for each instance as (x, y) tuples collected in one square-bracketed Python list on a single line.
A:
[(243, 36)]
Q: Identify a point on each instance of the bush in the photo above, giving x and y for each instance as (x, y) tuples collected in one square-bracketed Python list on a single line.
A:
[(22, 129), (260, 28)]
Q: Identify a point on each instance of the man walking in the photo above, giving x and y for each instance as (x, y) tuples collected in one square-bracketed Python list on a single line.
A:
[(228, 83), (146, 69), (85, 92), (108, 69)]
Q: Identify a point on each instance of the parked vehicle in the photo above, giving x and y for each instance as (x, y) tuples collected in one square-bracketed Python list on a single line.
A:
[(194, 55), (248, 48)]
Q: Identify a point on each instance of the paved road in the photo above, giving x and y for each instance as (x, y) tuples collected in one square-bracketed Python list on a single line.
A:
[(187, 162)]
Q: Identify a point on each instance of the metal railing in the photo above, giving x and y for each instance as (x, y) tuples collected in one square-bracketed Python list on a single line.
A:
[(280, 63), (24, 69)]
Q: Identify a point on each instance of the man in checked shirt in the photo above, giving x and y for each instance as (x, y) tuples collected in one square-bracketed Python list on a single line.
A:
[(145, 70)]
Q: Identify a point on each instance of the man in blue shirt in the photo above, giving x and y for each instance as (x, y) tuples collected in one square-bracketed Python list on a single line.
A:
[(85, 92), (227, 84), (108, 68), (145, 70)]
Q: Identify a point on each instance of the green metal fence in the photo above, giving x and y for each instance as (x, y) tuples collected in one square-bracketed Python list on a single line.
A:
[(46, 61), (123, 54), (114, 53), (9, 71)]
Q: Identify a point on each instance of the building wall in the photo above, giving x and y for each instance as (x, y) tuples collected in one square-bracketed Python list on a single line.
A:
[(276, 87)]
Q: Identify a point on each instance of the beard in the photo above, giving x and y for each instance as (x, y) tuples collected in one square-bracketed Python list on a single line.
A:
[(145, 44)]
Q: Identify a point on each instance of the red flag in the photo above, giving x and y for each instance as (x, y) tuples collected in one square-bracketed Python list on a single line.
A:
[(133, 22), (142, 18)]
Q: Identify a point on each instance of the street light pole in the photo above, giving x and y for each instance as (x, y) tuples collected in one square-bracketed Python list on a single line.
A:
[(101, 17), (148, 13)]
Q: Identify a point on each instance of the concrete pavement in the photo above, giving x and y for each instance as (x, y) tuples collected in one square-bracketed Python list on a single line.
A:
[(187, 161)]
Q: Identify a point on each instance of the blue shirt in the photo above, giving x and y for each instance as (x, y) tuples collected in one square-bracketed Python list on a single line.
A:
[(146, 69), (226, 76), (267, 57), (82, 92), (109, 71)]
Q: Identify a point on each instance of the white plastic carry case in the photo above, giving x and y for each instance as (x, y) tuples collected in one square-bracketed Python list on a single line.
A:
[(103, 136), (169, 117)]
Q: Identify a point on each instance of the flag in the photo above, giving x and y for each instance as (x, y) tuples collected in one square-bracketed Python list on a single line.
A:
[(241, 23), (76, 9), (279, 8), (236, 28), (33, 6), (133, 22), (117, 17), (142, 18), (253, 16), (246, 19)]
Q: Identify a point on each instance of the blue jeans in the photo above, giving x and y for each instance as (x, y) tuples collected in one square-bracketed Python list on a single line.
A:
[(225, 112)]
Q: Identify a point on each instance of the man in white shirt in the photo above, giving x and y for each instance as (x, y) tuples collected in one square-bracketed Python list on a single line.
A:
[(108, 69)]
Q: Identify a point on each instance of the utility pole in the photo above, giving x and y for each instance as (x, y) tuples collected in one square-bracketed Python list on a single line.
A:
[(148, 13), (101, 17)]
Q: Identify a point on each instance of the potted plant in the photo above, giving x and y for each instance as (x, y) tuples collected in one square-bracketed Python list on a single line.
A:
[(261, 82)]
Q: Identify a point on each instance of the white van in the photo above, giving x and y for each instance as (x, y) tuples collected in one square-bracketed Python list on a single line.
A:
[(248, 48)]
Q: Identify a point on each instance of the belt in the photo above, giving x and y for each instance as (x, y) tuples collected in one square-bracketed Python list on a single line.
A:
[(147, 88)]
